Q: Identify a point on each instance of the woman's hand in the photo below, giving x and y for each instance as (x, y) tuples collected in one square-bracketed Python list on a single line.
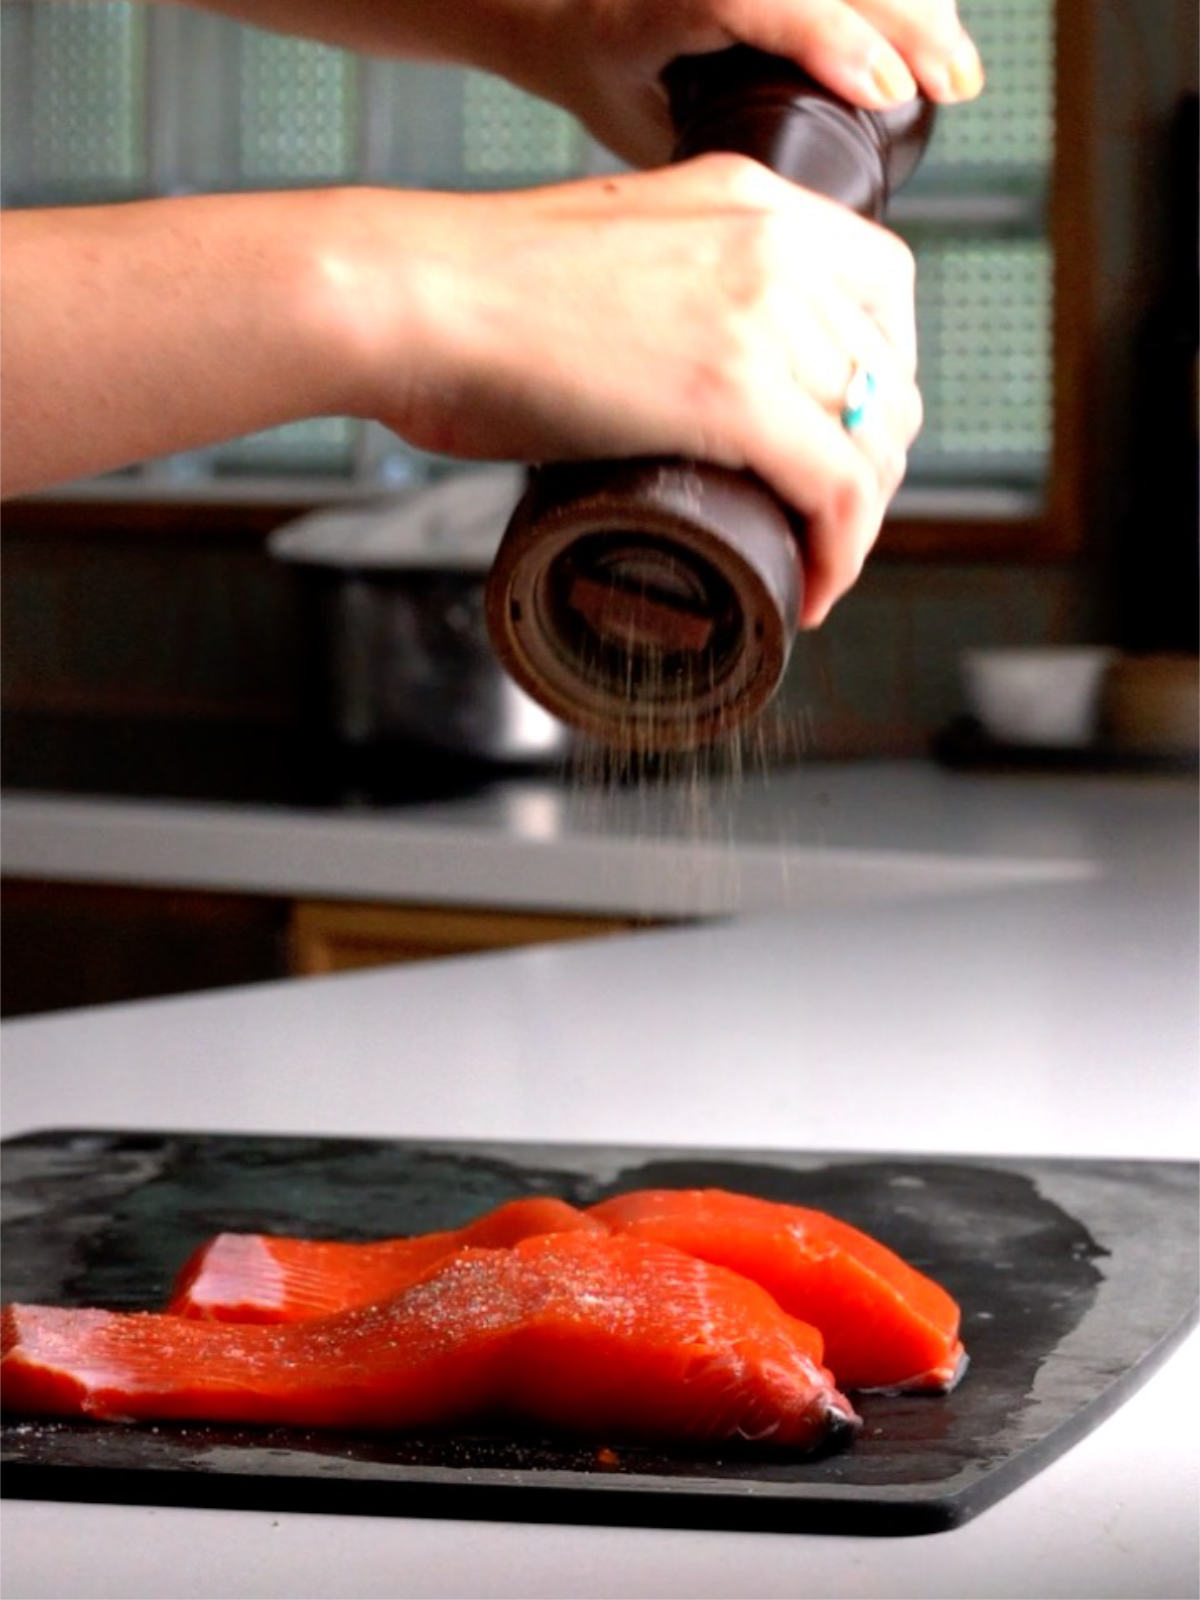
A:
[(602, 59), (710, 310)]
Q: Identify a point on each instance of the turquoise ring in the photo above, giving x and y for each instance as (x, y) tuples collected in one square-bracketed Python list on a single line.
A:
[(857, 400)]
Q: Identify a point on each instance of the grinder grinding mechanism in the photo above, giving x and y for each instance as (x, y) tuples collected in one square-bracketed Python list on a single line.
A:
[(652, 603)]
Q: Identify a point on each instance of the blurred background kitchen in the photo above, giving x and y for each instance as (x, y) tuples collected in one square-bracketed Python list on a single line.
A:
[(155, 648)]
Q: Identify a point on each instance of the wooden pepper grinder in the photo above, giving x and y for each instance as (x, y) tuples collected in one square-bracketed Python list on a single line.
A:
[(652, 603)]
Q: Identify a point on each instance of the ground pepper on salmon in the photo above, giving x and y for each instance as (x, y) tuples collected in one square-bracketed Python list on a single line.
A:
[(259, 1277), (885, 1324), (605, 1336)]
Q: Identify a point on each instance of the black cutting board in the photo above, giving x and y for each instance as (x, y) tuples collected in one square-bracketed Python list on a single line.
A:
[(1075, 1277)]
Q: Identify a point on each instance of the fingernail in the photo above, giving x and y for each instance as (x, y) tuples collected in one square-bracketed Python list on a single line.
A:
[(890, 78), (965, 72)]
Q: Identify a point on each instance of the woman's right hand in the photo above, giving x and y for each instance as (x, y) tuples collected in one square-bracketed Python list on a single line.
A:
[(710, 310)]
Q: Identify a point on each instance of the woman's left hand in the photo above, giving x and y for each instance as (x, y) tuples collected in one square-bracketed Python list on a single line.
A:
[(603, 59)]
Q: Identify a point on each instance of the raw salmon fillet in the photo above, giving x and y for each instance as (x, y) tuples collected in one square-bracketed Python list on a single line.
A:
[(610, 1337), (258, 1277), (886, 1325)]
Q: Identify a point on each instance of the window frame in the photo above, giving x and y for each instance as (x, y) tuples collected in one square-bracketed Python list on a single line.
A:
[(1055, 531)]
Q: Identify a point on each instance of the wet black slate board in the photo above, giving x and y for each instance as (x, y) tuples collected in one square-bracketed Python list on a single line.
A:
[(1076, 1279)]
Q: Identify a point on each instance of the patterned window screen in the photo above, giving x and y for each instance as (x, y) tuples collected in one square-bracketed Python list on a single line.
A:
[(976, 216), (105, 99), (74, 78)]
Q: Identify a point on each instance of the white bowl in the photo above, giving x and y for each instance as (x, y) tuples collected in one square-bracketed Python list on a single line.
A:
[(1045, 697)]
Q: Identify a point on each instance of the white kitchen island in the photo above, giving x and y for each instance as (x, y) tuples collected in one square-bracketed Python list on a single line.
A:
[(1034, 1020), (1048, 1012)]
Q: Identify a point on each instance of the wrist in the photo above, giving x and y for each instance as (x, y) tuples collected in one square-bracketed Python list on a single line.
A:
[(332, 299), (390, 304)]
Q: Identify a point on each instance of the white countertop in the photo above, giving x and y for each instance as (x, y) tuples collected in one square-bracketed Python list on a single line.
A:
[(812, 834), (1052, 1018)]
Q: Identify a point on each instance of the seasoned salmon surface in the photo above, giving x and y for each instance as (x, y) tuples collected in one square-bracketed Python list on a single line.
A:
[(606, 1336), (261, 1277), (886, 1325)]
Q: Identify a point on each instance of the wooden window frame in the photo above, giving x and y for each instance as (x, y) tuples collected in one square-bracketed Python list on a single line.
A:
[(1055, 531)]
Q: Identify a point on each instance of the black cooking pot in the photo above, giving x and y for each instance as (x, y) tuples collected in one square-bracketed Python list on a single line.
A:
[(396, 648)]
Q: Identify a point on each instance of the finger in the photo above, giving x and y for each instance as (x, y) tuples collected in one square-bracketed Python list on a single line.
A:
[(841, 480), (821, 360), (830, 39), (874, 52), (932, 40), (815, 466), (829, 341), (866, 345), (883, 426)]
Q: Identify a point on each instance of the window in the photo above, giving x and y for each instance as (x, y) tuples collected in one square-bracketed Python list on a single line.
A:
[(975, 214), (106, 99)]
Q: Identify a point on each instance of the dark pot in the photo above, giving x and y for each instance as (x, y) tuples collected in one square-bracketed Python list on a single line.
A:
[(396, 648)]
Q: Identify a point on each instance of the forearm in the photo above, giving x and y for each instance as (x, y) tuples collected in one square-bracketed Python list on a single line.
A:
[(491, 34), (710, 309), (137, 330)]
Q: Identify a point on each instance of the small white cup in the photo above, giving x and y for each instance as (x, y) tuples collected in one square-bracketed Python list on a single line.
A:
[(1042, 697)]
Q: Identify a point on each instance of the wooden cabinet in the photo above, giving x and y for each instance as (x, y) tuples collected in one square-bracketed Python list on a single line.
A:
[(74, 944), (337, 935), (79, 944)]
